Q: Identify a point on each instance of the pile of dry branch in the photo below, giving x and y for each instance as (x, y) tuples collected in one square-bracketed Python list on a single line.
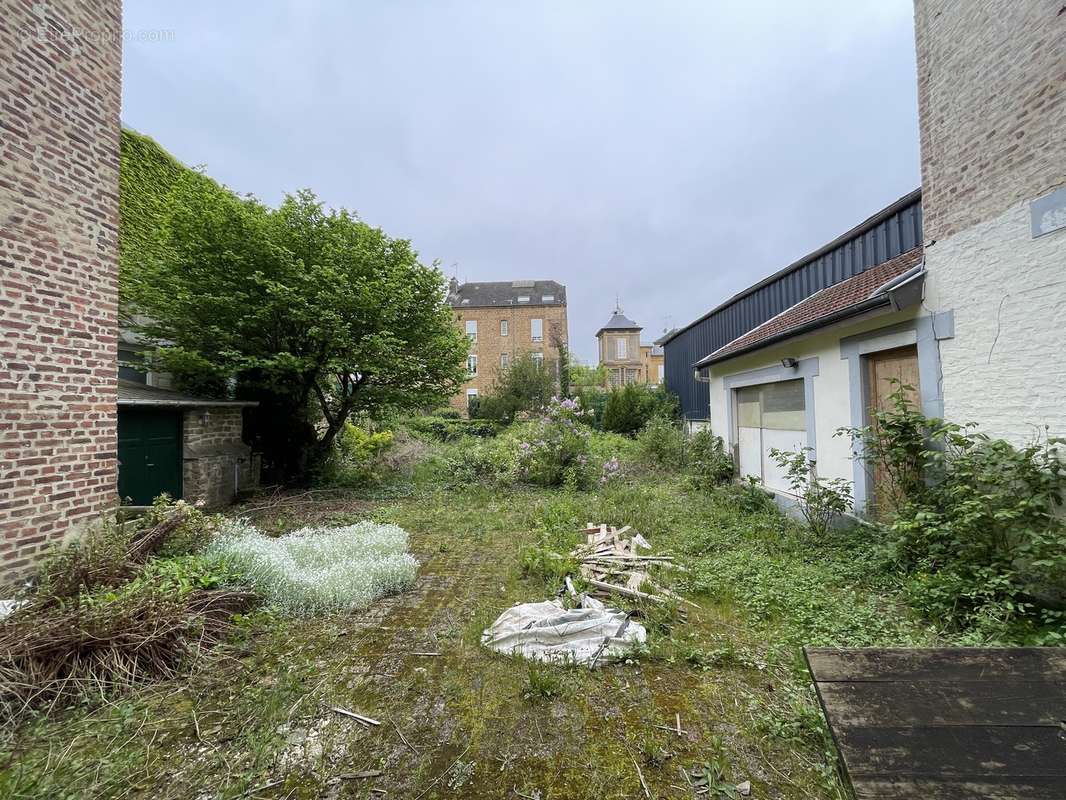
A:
[(70, 640), (611, 563)]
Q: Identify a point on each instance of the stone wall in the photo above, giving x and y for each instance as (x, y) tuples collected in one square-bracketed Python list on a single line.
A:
[(992, 97), (490, 345), (60, 74), (217, 464)]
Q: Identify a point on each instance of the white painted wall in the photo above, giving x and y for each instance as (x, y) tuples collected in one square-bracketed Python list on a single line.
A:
[(1006, 367), (832, 405)]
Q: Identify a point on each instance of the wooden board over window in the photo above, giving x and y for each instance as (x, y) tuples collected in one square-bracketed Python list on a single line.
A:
[(947, 724)]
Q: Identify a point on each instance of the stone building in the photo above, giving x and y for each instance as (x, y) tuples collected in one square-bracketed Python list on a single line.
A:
[(187, 447), (619, 349), (652, 364), (60, 81), (625, 358), (503, 320)]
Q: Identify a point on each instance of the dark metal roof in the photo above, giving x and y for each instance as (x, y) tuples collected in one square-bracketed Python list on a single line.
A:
[(506, 293), (859, 293), (866, 225), (619, 322), (138, 394), (888, 233)]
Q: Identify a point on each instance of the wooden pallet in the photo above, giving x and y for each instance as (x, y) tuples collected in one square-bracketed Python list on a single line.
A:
[(947, 724)]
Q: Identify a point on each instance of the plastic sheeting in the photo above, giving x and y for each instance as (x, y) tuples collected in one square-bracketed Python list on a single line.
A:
[(548, 632)]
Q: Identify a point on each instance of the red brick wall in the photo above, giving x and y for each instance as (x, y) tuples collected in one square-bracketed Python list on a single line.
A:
[(992, 105), (60, 78)]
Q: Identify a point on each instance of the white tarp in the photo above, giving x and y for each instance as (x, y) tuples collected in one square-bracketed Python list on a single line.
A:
[(548, 632)]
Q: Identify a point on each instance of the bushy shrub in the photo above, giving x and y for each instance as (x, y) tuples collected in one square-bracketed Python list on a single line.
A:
[(820, 500), (555, 450), (708, 463), (593, 400), (358, 445), (528, 384), (315, 570), (481, 462), (976, 521), (661, 444), (630, 408), (449, 428)]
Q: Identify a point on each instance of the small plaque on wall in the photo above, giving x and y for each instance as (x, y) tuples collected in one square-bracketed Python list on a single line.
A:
[(1048, 213)]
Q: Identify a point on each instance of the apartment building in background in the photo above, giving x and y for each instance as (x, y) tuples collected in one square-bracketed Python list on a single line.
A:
[(503, 320), (625, 358)]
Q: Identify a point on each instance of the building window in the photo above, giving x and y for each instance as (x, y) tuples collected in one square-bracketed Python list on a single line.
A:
[(523, 298), (662, 369), (129, 367), (471, 364), (547, 298), (471, 398), (771, 415), (505, 360), (536, 329), (538, 357), (504, 327), (620, 347), (471, 330)]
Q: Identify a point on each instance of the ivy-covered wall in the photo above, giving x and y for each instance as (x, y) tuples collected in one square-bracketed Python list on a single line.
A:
[(147, 176)]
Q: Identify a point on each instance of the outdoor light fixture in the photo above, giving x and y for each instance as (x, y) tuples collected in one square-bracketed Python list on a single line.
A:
[(789, 363)]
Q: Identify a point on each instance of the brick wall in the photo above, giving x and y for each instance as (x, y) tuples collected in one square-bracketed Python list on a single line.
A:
[(992, 80), (216, 463), (60, 73), (991, 77), (491, 345)]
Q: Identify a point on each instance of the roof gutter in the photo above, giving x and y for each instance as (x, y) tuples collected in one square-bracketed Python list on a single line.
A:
[(143, 402)]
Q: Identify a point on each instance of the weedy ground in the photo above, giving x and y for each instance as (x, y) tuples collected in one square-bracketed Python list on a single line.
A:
[(255, 718)]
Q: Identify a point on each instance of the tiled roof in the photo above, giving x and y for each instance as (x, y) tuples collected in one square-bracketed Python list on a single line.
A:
[(619, 322), (506, 293), (131, 393), (827, 303)]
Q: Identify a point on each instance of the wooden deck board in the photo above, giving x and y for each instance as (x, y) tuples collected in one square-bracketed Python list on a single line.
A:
[(942, 724)]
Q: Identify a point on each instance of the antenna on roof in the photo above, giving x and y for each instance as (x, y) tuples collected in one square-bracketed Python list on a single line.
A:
[(617, 304)]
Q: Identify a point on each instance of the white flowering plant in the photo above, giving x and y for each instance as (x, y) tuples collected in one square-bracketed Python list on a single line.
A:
[(318, 570)]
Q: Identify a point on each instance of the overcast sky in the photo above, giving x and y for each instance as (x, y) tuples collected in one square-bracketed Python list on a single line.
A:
[(670, 152)]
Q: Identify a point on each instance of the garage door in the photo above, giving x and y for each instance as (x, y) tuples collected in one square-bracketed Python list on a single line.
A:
[(149, 454), (771, 415)]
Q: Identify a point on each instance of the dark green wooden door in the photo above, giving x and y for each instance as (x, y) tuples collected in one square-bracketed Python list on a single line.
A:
[(149, 454)]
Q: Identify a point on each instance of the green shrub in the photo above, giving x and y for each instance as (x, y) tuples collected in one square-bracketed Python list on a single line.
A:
[(629, 408), (661, 444), (528, 384), (480, 462), (594, 401), (555, 449), (977, 521), (442, 428), (708, 463), (820, 500)]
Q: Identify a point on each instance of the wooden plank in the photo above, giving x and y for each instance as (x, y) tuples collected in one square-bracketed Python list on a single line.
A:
[(939, 664), (883, 704), (909, 788), (954, 751)]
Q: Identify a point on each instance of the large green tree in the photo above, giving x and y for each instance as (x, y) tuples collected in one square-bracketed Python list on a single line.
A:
[(312, 312)]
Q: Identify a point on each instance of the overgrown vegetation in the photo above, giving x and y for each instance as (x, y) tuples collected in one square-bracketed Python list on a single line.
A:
[(526, 385), (974, 523), (820, 500), (313, 313)]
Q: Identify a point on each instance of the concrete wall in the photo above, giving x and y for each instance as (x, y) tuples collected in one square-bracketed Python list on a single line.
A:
[(60, 76), (217, 464), (992, 101), (490, 345)]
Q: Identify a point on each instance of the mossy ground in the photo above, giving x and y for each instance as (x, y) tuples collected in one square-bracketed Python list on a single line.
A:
[(255, 718)]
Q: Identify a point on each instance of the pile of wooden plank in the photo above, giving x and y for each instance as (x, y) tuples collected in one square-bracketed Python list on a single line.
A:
[(610, 561)]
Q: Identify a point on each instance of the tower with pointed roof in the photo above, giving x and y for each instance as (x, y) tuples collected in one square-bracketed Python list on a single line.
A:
[(619, 349)]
